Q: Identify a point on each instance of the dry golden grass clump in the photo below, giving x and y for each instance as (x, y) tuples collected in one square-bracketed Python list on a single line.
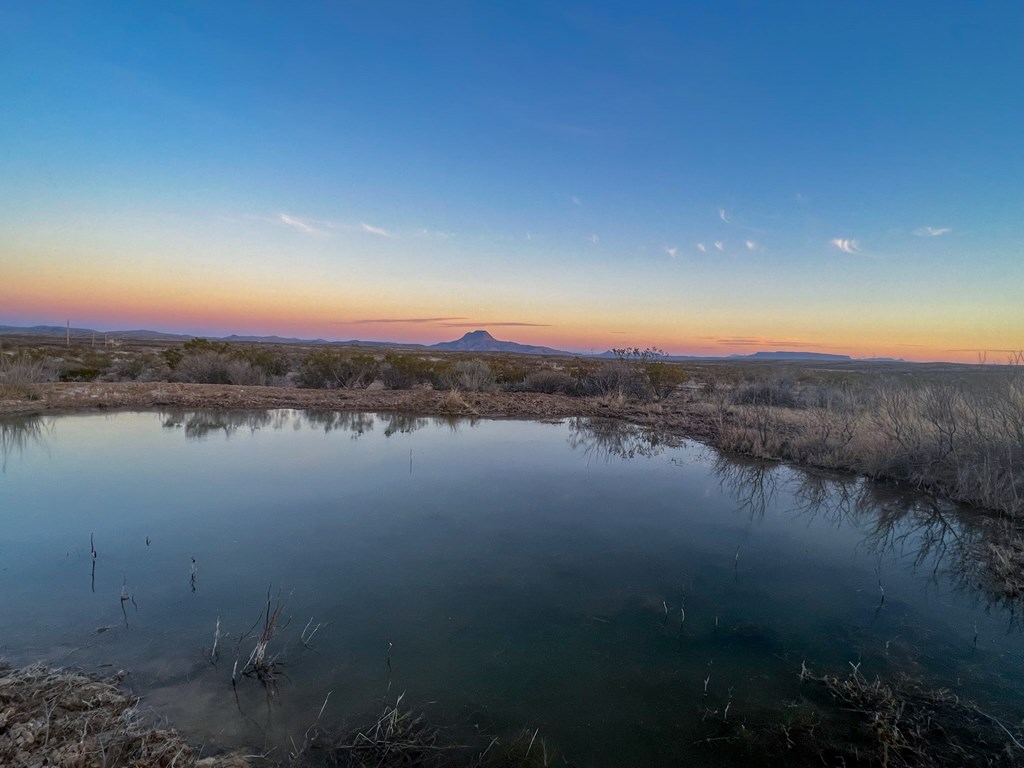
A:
[(400, 737), (52, 717)]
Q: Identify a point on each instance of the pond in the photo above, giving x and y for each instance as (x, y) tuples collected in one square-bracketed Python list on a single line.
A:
[(578, 579)]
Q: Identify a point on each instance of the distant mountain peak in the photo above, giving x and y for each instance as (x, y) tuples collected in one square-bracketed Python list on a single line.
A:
[(482, 341)]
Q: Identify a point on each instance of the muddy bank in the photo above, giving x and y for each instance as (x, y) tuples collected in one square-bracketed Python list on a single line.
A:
[(671, 415), (65, 718)]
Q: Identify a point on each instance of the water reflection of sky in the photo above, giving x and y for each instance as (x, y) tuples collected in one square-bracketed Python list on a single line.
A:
[(582, 576)]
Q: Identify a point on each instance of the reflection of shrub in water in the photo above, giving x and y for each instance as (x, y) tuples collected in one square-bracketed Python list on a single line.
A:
[(402, 423), (976, 550), (605, 438), (18, 434), (199, 424), (341, 421)]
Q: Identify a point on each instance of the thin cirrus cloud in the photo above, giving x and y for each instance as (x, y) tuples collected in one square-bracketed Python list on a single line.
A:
[(932, 231), (671, 251), (702, 248), (387, 320), (442, 322), (719, 245), (302, 225), (844, 244), (723, 215), (379, 231), (745, 341), (594, 239), (751, 245), (503, 323)]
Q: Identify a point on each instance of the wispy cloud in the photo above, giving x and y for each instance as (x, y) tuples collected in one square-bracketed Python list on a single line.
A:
[(594, 239), (751, 245), (719, 246), (387, 320), (430, 234), (702, 248), (747, 341), (576, 201), (380, 231), (723, 215), (501, 323), (303, 225), (845, 245), (932, 231), (671, 251)]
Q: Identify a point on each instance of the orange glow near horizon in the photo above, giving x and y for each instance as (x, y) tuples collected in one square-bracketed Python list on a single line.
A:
[(204, 300)]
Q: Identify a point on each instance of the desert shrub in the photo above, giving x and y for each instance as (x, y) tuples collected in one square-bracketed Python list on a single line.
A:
[(139, 366), (664, 377), (20, 373), (781, 392), (272, 365), (550, 382), (172, 357), (204, 367), (401, 371), (205, 345), (471, 375), (332, 369), (80, 373), (618, 378), (270, 361), (97, 359), (508, 373)]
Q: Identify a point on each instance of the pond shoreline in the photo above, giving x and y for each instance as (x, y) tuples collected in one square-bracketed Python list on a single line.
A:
[(678, 417)]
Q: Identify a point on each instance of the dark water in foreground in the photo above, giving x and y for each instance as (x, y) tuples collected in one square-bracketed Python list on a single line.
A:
[(572, 577)]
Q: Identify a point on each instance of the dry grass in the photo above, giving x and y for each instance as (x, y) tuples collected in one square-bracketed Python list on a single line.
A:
[(954, 440), (854, 722), (54, 717), (19, 375), (903, 724), (399, 737)]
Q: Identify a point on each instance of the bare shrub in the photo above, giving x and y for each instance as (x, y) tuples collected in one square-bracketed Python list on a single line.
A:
[(472, 376), (19, 375), (618, 378), (550, 382), (406, 371), (205, 367), (333, 369), (664, 378), (776, 391)]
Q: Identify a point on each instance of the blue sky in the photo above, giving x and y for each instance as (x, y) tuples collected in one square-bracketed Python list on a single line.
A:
[(569, 166)]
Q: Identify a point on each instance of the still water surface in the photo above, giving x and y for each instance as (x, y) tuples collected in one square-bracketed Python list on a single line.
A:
[(575, 577)]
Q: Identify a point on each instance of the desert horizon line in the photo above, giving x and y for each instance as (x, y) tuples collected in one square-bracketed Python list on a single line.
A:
[(732, 344)]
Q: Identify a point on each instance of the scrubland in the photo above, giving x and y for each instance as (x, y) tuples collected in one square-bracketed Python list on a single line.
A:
[(955, 431)]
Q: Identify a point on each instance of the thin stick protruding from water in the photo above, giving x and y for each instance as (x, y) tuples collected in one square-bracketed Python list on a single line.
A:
[(214, 654)]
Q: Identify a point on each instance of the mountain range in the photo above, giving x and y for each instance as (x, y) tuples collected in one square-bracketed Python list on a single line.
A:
[(473, 341)]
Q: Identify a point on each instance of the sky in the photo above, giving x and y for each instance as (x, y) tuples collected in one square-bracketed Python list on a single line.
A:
[(706, 178)]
